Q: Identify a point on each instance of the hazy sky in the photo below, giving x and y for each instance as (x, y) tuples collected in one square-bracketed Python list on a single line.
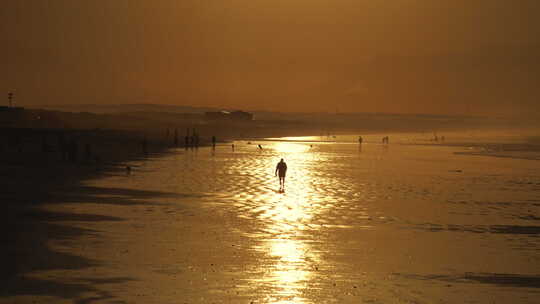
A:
[(426, 56)]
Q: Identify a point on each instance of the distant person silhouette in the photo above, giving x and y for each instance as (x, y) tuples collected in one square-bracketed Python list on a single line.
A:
[(196, 139), (281, 170)]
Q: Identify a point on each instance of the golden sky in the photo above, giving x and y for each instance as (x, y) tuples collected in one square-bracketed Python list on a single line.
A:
[(401, 56)]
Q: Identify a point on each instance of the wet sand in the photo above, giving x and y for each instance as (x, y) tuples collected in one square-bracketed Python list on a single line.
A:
[(381, 224)]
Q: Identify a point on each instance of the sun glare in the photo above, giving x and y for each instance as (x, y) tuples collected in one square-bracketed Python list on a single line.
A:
[(287, 147)]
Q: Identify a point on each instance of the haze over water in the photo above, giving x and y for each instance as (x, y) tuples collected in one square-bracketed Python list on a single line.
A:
[(377, 224)]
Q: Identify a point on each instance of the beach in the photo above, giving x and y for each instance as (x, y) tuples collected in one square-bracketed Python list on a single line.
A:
[(270, 152), (396, 223)]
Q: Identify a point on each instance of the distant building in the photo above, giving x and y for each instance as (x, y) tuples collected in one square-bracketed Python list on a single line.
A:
[(241, 115), (226, 115), (217, 115)]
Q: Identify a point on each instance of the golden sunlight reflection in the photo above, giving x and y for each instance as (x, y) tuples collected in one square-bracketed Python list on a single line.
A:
[(285, 217), (287, 147), (286, 228), (301, 138), (292, 269)]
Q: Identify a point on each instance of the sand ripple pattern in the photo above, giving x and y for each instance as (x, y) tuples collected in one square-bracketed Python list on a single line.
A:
[(314, 197)]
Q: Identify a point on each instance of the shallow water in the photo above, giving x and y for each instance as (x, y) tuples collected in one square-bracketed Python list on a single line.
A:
[(375, 224)]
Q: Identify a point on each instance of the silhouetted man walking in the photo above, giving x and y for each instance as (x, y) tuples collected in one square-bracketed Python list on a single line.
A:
[(281, 169)]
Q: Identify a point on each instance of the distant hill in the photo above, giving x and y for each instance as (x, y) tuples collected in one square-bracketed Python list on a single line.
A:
[(124, 108), (266, 115), (324, 121)]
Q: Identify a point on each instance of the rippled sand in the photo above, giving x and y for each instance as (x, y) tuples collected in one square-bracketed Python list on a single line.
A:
[(377, 224)]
